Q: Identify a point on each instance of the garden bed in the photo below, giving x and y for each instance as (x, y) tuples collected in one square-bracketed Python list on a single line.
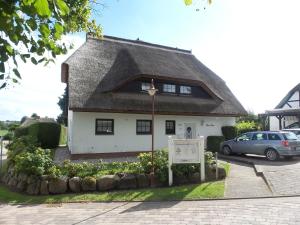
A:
[(31, 170)]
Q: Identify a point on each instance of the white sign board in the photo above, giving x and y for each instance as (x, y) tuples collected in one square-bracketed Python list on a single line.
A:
[(184, 151)]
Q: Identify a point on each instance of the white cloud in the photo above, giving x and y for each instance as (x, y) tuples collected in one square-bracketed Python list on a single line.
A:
[(38, 91)]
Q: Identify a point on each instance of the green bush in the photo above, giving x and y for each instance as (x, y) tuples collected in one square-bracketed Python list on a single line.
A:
[(37, 162), (246, 126), (22, 144), (213, 143), (47, 134), (160, 164), (229, 132), (8, 136)]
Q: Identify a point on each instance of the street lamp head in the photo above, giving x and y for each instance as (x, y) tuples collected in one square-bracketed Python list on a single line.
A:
[(152, 91)]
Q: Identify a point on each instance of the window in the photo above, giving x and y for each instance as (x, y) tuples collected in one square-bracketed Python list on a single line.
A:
[(244, 137), (104, 126), (170, 126), (169, 88), (187, 90), (143, 126), (145, 86), (289, 136), (259, 137), (274, 137)]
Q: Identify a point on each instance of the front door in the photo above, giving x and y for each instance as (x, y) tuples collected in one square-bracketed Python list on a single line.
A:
[(189, 131)]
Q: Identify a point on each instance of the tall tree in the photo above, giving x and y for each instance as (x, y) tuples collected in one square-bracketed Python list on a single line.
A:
[(63, 105), (32, 30)]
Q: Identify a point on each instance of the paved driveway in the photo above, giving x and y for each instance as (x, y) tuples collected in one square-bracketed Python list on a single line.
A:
[(250, 211), (283, 177)]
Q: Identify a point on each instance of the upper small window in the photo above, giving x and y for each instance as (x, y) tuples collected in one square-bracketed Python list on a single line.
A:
[(187, 90), (145, 86), (169, 88), (104, 126)]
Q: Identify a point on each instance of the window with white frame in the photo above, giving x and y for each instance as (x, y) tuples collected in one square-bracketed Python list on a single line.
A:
[(169, 88), (145, 86), (187, 90)]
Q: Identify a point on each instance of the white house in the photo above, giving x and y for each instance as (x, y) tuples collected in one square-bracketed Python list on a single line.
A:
[(110, 109), (287, 113)]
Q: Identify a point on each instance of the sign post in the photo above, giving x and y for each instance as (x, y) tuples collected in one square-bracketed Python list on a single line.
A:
[(186, 151)]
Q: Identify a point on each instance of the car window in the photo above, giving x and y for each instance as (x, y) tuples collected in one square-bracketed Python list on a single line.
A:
[(259, 137), (274, 137), (244, 137), (289, 136)]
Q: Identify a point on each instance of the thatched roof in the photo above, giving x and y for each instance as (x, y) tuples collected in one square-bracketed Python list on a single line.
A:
[(99, 67)]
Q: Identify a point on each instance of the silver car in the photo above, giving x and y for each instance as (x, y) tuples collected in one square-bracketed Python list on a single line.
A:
[(272, 144)]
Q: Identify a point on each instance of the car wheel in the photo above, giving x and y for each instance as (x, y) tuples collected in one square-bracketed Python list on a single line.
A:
[(226, 150), (272, 155)]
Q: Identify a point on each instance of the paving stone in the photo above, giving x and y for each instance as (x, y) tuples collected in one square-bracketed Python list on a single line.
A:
[(265, 211)]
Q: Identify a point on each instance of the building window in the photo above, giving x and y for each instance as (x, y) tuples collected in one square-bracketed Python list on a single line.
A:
[(143, 126), (170, 126), (105, 126), (187, 90), (145, 86), (169, 88)]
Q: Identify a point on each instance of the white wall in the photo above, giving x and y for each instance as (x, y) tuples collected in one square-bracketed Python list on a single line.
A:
[(83, 139)]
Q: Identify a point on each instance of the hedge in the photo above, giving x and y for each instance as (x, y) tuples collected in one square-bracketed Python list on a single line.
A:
[(47, 134), (229, 132), (213, 143)]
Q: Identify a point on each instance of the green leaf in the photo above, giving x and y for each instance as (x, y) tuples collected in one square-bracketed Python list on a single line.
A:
[(59, 29), (33, 60), (45, 31), (15, 80), (41, 60), (27, 2), (188, 2), (32, 24), (17, 73), (9, 49), (64, 9), (3, 85), (2, 67), (1, 76), (42, 8)]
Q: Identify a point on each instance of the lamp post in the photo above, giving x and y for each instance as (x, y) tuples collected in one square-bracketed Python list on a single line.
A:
[(152, 91)]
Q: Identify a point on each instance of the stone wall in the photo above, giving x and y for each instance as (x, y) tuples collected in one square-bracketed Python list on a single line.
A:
[(45, 185)]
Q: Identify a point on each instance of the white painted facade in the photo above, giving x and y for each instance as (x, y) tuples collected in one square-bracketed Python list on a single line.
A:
[(292, 103), (82, 138)]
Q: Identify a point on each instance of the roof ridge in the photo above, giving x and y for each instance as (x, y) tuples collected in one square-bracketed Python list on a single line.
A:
[(139, 42)]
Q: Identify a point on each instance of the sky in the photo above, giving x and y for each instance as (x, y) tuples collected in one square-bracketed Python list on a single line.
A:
[(252, 45)]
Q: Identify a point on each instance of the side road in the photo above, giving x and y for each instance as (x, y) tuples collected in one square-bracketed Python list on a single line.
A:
[(243, 182), (242, 211), (281, 176)]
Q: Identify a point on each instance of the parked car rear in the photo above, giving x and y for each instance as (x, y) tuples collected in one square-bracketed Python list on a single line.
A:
[(272, 144), (294, 130)]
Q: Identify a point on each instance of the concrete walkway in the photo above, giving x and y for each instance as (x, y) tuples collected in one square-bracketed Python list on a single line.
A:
[(243, 182), (233, 212)]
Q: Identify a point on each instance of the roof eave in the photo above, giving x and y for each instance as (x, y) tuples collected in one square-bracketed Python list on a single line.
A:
[(75, 109)]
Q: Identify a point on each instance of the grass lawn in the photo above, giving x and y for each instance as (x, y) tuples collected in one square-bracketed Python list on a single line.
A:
[(63, 135), (186, 192), (3, 132)]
